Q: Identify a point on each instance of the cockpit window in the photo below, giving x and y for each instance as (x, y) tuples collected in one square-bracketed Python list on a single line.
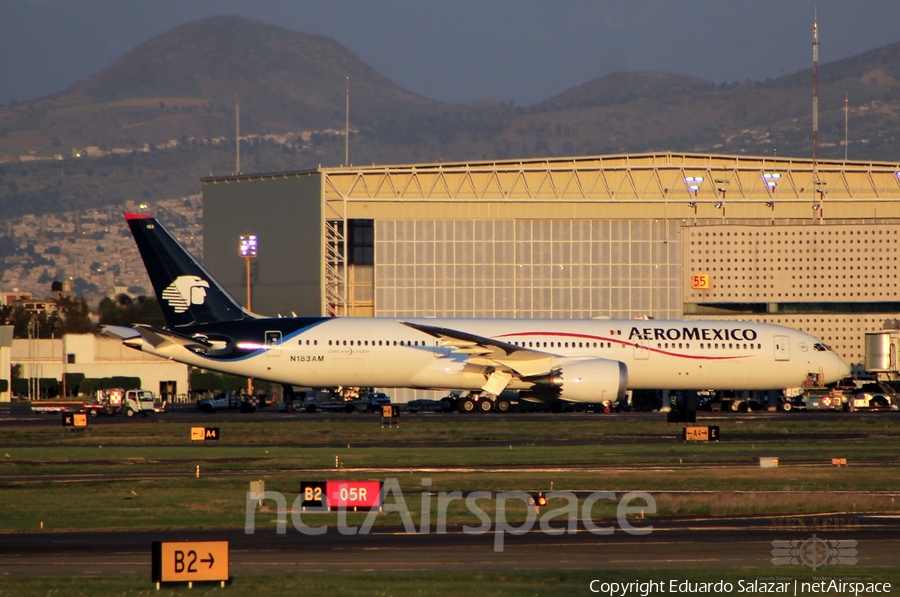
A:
[(819, 347)]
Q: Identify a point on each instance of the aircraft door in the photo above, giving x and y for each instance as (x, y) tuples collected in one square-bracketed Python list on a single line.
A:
[(641, 350), (273, 343), (782, 348)]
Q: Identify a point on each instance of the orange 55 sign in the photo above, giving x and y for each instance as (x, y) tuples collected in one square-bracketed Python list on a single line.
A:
[(700, 281)]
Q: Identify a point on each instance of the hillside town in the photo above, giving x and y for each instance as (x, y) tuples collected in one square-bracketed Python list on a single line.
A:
[(92, 251)]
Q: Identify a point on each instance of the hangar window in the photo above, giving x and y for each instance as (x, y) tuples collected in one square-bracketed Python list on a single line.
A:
[(361, 242)]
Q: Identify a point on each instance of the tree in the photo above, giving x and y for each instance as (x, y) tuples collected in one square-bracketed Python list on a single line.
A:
[(125, 311), (74, 317)]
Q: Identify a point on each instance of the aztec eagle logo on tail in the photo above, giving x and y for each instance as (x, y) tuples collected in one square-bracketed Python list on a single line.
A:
[(185, 291)]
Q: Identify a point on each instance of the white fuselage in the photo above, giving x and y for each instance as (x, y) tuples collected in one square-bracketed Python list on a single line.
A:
[(674, 355)]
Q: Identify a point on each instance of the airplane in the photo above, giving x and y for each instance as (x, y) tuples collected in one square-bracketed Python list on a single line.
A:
[(544, 360)]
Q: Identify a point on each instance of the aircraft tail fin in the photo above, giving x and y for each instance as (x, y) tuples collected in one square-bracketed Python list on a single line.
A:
[(187, 293)]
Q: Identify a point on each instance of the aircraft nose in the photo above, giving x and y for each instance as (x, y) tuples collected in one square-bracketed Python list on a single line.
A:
[(843, 369)]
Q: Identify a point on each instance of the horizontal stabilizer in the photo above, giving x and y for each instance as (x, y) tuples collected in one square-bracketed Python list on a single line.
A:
[(158, 338), (119, 332)]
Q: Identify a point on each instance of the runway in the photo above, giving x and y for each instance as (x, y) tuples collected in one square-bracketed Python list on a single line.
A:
[(673, 543)]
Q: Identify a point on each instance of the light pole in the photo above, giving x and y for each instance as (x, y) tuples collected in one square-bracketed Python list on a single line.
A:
[(249, 249)]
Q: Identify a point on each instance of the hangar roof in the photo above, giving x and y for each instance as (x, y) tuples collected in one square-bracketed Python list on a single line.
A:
[(627, 185)]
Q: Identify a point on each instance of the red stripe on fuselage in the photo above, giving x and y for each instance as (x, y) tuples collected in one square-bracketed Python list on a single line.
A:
[(623, 343)]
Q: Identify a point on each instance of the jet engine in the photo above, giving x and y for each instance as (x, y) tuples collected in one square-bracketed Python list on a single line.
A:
[(591, 380)]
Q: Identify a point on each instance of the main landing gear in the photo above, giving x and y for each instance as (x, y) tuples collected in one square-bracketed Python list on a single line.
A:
[(472, 403)]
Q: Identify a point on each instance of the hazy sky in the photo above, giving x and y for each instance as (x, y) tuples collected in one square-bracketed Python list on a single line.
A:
[(465, 50)]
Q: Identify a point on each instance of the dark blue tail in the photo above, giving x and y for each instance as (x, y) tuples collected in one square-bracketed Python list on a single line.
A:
[(187, 293)]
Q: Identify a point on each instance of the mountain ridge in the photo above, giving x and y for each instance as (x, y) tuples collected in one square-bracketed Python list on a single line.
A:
[(151, 124)]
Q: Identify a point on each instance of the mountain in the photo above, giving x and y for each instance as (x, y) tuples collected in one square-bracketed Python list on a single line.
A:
[(185, 83), (151, 124)]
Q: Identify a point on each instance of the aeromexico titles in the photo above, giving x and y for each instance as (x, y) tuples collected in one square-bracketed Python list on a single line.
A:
[(593, 360)]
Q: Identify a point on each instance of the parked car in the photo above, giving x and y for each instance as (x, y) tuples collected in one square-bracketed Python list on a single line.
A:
[(423, 405)]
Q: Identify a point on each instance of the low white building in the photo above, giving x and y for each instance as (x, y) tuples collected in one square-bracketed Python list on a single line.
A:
[(98, 357)]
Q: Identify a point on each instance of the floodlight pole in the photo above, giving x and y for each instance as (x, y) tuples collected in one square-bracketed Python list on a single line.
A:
[(249, 293), (248, 249)]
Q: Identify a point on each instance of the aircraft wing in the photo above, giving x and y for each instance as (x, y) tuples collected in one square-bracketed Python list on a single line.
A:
[(522, 362)]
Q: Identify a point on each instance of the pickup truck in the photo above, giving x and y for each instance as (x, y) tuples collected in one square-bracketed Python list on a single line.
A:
[(221, 401)]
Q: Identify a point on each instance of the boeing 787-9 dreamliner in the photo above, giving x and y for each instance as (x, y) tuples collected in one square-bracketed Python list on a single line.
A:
[(546, 360)]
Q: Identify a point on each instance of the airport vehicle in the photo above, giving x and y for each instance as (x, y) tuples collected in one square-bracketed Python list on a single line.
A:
[(139, 402), (220, 401), (866, 400), (371, 403), (116, 400), (545, 360)]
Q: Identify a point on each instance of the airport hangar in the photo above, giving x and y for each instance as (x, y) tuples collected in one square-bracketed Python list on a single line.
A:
[(810, 245)]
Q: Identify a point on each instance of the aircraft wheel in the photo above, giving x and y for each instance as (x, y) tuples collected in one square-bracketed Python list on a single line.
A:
[(465, 405), (485, 405), (502, 406), (786, 407), (448, 405)]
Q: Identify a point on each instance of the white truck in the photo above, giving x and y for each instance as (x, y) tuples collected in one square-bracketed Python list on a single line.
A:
[(116, 400), (220, 401)]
